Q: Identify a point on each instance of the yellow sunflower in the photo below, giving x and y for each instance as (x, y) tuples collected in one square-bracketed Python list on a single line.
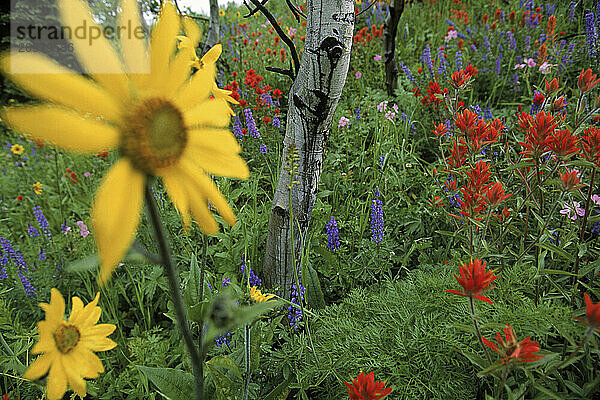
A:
[(17, 149), (163, 122), (257, 296), (68, 346), (37, 187), (221, 12)]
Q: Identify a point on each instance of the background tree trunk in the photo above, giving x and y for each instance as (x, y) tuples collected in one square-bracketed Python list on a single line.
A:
[(390, 29), (213, 34), (312, 102)]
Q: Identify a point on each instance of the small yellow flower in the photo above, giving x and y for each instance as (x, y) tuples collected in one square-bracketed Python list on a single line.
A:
[(164, 122), (221, 12), (257, 296), (359, 2), (68, 346), (37, 188), (17, 149)]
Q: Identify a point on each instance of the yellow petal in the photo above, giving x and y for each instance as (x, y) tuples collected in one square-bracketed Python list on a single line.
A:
[(213, 112), (55, 83), (192, 30), (40, 366), (76, 309), (97, 343), (96, 55), (86, 362), (56, 309), (207, 187), (227, 165), (162, 44), (76, 382), (57, 380), (212, 55), (214, 140), (46, 342), (199, 208), (133, 42), (179, 71), (176, 190), (64, 128), (197, 89), (116, 213)]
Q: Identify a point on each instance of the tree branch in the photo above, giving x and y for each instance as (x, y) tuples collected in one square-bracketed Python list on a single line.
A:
[(253, 11), (286, 72), (258, 5), (366, 9), (297, 13)]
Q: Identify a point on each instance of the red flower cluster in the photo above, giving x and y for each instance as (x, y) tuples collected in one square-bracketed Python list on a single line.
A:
[(71, 175), (364, 387), (511, 350), (474, 279), (364, 36), (592, 314)]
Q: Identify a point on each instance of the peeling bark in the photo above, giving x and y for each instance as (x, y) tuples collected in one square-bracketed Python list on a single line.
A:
[(312, 102), (390, 29), (212, 36)]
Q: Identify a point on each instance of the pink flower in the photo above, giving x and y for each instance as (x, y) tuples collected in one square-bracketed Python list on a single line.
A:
[(395, 107), (530, 63), (83, 228), (545, 67), (358, 75), (596, 199), (377, 57), (344, 122), (382, 106), (87, 174), (451, 35), (390, 115)]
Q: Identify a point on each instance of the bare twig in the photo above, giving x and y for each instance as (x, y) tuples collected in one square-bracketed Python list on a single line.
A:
[(297, 13), (366, 9), (255, 10), (290, 44), (286, 72)]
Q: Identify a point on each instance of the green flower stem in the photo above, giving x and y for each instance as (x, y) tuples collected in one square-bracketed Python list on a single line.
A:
[(477, 332), (173, 278), (582, 234), (587, 335)]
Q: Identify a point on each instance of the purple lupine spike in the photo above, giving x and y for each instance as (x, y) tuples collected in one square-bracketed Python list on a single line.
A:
[(42, 221), (27, 286), (376, 218), (333, 238), (251, 124), (294, 313), (237, 127)]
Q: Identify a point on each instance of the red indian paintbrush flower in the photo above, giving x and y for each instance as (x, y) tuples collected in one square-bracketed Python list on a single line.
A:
[(364, 387), (592, 314), (474, 279), (563, 143), (539, 135), (569, 180), (512, 351), (586, 81), (551, 87), (495, 195), (465, 121), (440, 130), (590, 141)]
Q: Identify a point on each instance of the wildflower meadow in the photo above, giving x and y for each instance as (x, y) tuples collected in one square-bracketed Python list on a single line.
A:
[(316, 199)]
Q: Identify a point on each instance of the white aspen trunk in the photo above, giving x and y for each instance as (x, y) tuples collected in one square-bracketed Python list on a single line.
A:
[(213, 34), (312, 102)]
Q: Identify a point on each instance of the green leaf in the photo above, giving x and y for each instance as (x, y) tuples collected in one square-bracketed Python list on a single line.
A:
[(137, 254), (227, 363), (280, 392), (174, 384), (243, 315), (314, 293)]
